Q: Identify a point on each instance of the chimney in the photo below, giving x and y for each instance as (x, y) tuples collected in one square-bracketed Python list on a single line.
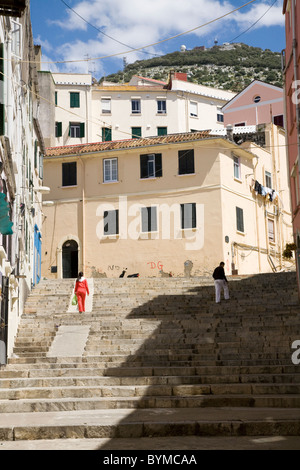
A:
[(229, 130)]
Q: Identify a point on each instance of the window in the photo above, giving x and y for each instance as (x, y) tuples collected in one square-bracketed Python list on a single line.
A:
[(186, 162), (58, 129), (74, 100), (278, 120), (240, 124), (136, 106), (220, 117), (56, 98), (161, 107), (149, 219), (111, 222), (162, 131), (268, 179), (110, 170), (151, 165), (106, 105), (236, 167), (76, 129), (69, 174), (239, 219), (188, 215), (271, 231), (256, 99), (106, 134), (2, 109), (16, 38), (193, 108), (136, 132)]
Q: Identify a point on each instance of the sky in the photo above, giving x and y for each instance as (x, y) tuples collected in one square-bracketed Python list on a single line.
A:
[(96, 36)]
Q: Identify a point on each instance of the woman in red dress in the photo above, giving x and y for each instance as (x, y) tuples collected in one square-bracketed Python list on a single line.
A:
[(81, 289)]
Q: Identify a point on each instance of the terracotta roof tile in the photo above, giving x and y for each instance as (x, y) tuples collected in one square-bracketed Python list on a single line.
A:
[(126, 144)]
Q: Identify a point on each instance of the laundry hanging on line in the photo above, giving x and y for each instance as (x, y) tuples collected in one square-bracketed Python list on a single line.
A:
[(269, 193)]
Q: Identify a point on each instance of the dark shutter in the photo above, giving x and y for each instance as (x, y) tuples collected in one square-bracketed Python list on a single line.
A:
[(69, 174), (239, 219), (188, 215), (58, 129), (82, 129), (74, 100), (158, 165), (144, 166), (111, 222), (186, 162)]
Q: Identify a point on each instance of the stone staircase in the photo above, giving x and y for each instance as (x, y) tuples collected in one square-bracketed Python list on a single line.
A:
[(159, 358)]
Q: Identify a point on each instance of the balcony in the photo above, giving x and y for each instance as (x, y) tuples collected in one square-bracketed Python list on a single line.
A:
[(14, 8)]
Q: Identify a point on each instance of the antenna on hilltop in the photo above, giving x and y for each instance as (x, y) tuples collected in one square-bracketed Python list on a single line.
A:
[(216, 41)]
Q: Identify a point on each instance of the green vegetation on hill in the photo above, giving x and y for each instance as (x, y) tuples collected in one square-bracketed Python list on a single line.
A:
[(231, 66)]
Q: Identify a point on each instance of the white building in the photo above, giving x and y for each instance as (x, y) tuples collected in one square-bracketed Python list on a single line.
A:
[(88, 112), (21, 149)]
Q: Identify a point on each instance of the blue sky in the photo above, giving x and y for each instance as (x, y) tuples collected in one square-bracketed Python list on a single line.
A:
[(101, 33)]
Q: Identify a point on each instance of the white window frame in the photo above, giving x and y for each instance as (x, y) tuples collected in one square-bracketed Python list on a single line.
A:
[(16, 41), (237, 167), (74, 130), (106, 105), (110, 170), (271, 230), (136, 109), (193, 109), (161, 106), (268, 178)]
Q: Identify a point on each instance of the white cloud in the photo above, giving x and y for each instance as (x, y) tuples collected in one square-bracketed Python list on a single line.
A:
[(134, 24)]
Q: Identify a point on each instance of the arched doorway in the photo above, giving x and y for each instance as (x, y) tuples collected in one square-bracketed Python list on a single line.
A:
[(70, 259)]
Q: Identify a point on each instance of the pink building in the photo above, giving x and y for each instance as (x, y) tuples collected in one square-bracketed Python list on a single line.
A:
[(258, 103), (291, 74)]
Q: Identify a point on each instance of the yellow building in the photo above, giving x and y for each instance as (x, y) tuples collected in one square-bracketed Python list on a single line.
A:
[(175, 204)]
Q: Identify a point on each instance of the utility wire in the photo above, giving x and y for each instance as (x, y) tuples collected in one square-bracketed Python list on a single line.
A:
[(100, 31), (149, 45), (246, 30)]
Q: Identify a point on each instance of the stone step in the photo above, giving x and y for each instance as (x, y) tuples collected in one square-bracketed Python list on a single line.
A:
[(42, 369), (150, 390), (95, 378), (98, 403), (144, 423)]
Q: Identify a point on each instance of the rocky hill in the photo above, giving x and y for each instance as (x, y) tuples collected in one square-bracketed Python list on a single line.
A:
[(228, 66)]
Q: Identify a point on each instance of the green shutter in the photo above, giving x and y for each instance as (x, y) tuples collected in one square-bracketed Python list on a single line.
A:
[(58, 129), (136, 132), (74, 100), (82, 129), (162, 131), (35, 153)]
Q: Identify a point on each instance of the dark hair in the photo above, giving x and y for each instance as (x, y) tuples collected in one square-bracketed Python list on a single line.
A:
[(222, 263), (79, 275)]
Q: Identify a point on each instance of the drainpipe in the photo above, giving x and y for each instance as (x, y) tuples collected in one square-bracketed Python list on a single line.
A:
[(9, 99), (83, 214)]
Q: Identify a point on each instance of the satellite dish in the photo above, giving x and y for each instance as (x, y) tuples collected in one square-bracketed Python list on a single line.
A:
[(183, 48)]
